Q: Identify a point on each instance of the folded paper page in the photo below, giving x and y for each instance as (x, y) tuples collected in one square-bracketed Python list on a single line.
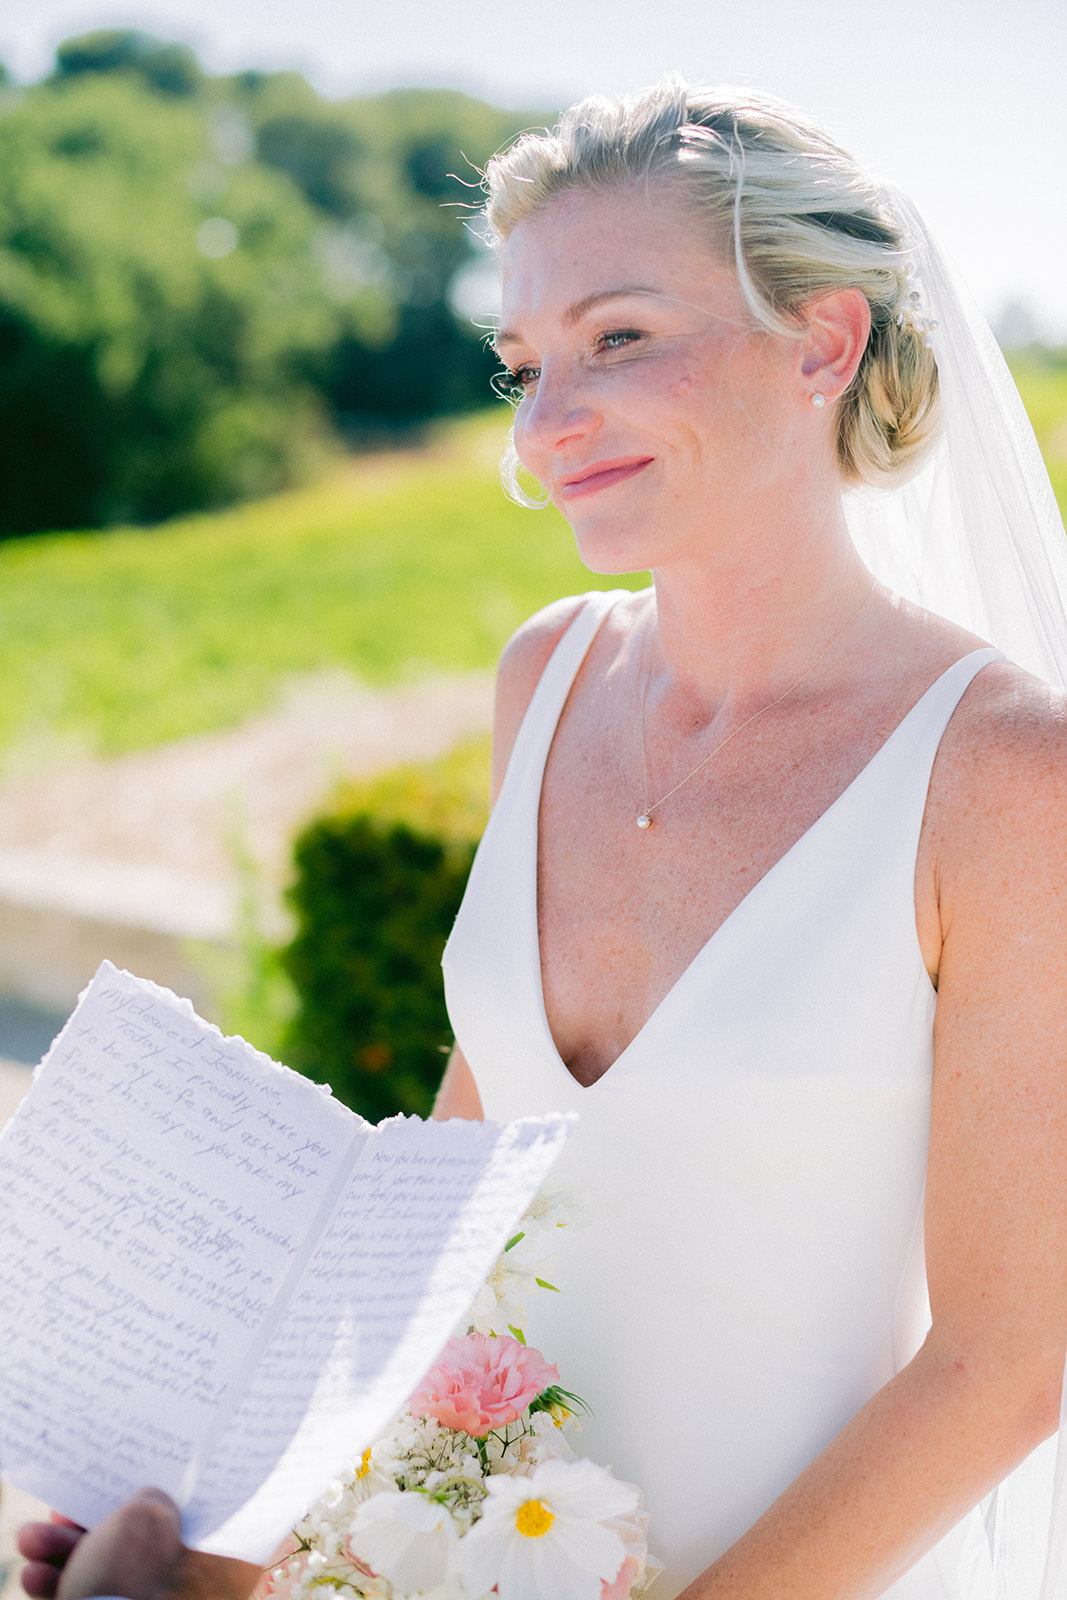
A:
[(217, 1278)]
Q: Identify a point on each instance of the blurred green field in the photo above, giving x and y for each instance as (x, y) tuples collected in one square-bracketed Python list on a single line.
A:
[(392, 567), (1043, 386)]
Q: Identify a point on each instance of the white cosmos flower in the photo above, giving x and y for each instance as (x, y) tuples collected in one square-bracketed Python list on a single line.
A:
[(405, 1538), (544, 1535), (522, 1270)]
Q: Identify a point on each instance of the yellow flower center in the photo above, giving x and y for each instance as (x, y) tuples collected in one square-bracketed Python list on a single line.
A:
[(533, 1519), (364, 1466)]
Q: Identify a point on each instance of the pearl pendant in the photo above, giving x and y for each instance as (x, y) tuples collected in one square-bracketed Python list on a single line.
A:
[(644, 820)]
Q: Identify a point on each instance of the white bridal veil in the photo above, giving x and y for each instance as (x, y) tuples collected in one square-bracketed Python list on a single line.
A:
[(976, 536)]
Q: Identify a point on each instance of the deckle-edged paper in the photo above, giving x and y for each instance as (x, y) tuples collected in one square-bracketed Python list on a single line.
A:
[(218, 1279)]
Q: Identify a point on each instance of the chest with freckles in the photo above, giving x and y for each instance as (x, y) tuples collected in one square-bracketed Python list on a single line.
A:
[(622, 913)]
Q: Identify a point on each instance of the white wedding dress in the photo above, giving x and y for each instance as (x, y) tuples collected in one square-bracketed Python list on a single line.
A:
[(751, 1265), (749, 1269)]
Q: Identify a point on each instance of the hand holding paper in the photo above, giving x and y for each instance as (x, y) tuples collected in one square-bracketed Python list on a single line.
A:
[(136, 1551), (217, 1278)]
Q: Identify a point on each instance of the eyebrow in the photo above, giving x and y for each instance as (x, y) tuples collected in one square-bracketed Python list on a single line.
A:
[(574, 313)]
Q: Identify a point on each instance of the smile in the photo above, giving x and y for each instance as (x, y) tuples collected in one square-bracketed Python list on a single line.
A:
[(603, 475)]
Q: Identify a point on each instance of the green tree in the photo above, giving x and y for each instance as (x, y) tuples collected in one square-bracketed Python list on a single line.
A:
[(160, 311), (203, 280), (395, 176), (166, 67)]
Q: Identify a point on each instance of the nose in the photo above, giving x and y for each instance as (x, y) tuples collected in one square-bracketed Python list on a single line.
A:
[(556, 414)]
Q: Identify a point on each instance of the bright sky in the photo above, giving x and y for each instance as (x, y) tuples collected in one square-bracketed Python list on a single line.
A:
[(960, 101)]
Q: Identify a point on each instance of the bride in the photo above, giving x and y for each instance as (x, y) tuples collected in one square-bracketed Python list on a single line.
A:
[(774, 893)]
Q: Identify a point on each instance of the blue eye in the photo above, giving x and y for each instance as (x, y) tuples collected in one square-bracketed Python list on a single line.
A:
[(618, 338), (513, 383)]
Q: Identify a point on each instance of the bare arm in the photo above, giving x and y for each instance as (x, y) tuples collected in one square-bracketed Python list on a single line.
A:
[(458, 1094), (985, 1388)]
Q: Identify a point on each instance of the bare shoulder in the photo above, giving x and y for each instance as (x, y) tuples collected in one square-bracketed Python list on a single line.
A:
[(525, 657), (1007, 738), (526, 653), (997, 811)]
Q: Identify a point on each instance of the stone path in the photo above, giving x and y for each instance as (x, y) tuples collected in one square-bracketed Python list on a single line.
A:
[(150, 844), (14, 1081), (111, 835)]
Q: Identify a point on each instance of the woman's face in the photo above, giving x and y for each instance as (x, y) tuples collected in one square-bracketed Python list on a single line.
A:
[(655, 412)]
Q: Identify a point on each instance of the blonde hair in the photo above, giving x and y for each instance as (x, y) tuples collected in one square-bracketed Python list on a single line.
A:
[(798, 215)]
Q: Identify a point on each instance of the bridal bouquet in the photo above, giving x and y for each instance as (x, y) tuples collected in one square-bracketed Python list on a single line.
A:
[(475, 1490)]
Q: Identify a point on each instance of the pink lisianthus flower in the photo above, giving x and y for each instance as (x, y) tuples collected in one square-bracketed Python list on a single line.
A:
[(480, 1382), (639, 1567), (623, 1584)]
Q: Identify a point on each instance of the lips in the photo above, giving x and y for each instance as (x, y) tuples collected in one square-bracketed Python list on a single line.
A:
[(602, 475)]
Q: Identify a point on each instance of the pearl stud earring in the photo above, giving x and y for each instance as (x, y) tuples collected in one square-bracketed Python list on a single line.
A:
[(818, 400)]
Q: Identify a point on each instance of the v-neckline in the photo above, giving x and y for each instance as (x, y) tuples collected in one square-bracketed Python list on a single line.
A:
[(714, 938)]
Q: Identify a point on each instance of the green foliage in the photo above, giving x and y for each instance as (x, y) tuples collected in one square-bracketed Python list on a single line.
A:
[(146, 365), (390, 566), (170, 69), (203, 279), (250, 990), (318, 153), (1042, 379), (378, 885), (395, 174)]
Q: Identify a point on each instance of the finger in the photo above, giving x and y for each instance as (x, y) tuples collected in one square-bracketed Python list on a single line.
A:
[(39, 1580), (136, 1550), (159, 1497), (47, 1541)]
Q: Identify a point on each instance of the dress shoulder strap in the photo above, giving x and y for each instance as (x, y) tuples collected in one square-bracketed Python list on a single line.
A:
[(905, 762), (554, 685), (936, 706)]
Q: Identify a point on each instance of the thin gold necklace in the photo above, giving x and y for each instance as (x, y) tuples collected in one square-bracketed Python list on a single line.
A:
[(644, 818)]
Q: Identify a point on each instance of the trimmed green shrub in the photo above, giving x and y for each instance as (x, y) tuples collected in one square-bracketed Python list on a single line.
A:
[(378, 885)]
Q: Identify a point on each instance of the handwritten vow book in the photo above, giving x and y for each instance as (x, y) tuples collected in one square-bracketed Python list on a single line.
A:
[(216, 1278)]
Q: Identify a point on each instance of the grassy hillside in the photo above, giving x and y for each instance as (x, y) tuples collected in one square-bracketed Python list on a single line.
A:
[(1043, 386), (392, 566)]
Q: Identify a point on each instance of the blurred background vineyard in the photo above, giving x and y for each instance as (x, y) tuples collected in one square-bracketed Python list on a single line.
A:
[(247, 438)]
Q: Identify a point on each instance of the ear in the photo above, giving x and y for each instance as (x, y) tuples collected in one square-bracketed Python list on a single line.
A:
[(837, 329)]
